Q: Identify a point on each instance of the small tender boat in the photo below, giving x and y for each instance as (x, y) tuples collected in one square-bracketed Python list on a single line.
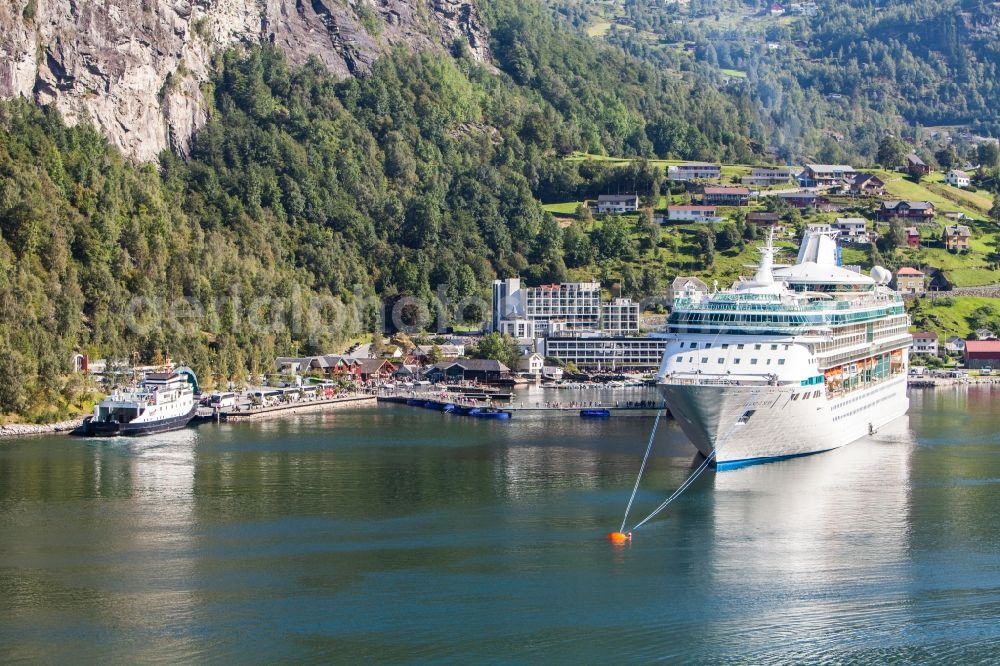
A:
[(489, 413), (595, 413)]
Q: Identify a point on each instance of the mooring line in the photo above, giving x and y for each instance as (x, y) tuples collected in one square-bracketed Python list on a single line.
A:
[(677, 493), (687, 482), (635, 489)]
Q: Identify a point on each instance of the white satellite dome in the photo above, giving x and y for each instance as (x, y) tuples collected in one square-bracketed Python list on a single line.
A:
[(881, 275)]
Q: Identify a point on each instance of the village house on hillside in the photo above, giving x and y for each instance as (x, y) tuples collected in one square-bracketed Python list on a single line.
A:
[(910, 280), (825, 175), (760, 217), (694, 171), (801, 199), (912, 237), (954, 344), (867, 184), (686, 287), (852, 229), (958, 178), (916, 166), (726, 196), (767, 176), (692, 214), (925, 343), (920, 210), (617, 204), (956, 237)]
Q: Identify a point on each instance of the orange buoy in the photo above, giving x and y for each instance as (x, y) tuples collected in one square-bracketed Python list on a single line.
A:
[(618, 537)]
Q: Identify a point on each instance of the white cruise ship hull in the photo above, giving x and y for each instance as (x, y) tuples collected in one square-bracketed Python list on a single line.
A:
[(712, 415)]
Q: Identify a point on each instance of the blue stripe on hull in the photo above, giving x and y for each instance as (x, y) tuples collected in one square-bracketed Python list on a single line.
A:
[(747, 462)]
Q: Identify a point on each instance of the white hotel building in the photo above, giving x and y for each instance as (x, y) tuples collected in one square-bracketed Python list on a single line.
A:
[(569, 308)]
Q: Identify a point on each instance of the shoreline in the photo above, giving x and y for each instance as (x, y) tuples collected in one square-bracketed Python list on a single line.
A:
[(15, 430)]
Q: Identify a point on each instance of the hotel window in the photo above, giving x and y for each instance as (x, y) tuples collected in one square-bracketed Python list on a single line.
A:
[(736, 361), (753, 361), (781, 361), (725, 346), (774, 347), (756, 346), (739, 346), (704, 359)]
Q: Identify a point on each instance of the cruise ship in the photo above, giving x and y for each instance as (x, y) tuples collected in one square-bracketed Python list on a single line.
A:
[(796, 360), (162, 401)]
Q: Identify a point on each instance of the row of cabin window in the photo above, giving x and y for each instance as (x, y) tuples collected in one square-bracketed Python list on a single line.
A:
[(805, 396), (725, 345), (736, 361)]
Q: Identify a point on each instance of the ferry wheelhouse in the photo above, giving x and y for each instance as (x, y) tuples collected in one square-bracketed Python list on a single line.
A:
[(797, 360)]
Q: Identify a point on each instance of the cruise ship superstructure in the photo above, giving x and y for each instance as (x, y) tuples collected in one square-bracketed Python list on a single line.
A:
[(797, 360)]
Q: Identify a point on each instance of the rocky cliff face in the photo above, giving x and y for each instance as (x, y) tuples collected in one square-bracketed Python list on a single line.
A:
[(135, 67)]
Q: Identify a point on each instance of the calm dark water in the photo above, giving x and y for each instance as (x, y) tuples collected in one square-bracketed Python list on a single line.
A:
[(392, 534)]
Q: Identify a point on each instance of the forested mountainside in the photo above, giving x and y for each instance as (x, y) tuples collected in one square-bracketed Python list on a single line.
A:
[(937, 60), (307, 195), (830, 77)]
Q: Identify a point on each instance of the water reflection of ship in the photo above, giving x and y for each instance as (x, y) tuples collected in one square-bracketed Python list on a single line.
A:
[(802, 529)]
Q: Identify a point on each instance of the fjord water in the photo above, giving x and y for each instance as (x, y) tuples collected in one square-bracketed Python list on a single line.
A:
[(395, 533)]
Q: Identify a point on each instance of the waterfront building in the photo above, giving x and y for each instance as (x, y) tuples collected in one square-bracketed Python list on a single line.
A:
[(507, 301), (577, 305), (520, 328), (328, 365), (620, 317), (925, 343), (981, 354), (484, 371), (607, 352), (569, 308), (531, 364)]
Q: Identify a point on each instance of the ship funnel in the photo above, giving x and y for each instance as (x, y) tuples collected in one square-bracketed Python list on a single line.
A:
[(765, 272)]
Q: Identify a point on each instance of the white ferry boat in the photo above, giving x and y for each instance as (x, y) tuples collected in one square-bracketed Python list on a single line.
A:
[(797, 360), (163, 401)]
